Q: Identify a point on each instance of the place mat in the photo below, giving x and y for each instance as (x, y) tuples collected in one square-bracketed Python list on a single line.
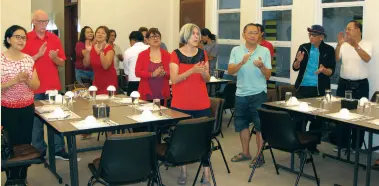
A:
[(297, 108), (49, 108), (148, 106), (153, 117), (375, 122), (68, 115), (351, 116), (99, 123), (334, 99), (283, 103), (122, 100), (46, 102)]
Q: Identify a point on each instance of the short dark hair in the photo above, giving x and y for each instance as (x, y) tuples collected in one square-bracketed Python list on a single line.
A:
[(261, 27), (82, 37), (113, 31), (9, 33), (136, 36), (106, 29), (249, 24), (357, 24), (153, 31), (207, 32), (143, 29)]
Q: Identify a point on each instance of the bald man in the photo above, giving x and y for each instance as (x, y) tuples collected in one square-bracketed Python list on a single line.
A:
[(47, 52)]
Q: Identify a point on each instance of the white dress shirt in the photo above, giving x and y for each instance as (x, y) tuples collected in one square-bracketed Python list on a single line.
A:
[(353, 67), (130, 59)]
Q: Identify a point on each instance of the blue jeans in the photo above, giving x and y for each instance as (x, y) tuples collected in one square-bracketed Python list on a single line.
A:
[(38, 132), (82, 73), (246, 111)]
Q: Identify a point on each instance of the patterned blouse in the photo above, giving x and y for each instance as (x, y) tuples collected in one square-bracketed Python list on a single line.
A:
[(19, 95)]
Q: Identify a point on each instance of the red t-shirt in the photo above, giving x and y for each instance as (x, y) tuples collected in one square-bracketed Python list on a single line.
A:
[(19, 95), (269, 46), (102, 78), (192, 93), (46, 68), (80, 46)]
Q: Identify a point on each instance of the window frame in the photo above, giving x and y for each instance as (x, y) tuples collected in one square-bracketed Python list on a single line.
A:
[(319, 13), (283, 44), (232, 42)]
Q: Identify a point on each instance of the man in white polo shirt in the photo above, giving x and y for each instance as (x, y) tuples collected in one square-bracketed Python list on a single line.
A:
[(355, 54), (130, 58)]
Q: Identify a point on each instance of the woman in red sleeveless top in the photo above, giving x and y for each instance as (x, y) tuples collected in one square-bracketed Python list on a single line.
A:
[(189, 73), (100, 56)]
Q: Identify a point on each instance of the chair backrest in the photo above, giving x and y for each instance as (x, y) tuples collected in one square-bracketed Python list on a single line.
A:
[(190, 141), (282, 89), (128, 158), (229, 95), (272, 95), (279, 129), (217, 105), (373, 98), (86, 79), (220, 73)]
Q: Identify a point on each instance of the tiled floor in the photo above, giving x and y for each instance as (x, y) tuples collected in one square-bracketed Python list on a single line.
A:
[(330, 171)]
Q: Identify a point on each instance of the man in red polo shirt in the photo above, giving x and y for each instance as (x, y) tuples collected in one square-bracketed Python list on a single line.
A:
[(263, 42), (48, 54)]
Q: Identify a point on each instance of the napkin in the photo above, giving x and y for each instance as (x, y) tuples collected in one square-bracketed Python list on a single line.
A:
[(111, 88), (92, 88)]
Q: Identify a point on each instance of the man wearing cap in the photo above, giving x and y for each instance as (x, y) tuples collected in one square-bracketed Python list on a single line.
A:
[(315, 62), (355, 54)]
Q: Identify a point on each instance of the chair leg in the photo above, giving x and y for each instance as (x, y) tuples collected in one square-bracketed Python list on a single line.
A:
[(98, 136), (212, 173), (301, 167), (273, 159), (222, 135), (197, 174), (90, 181), (230, 120), (314, 169), (223, 155), (255, 164)]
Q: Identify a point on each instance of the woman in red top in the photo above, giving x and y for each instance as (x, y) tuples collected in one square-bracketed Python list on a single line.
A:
[(100, 56), (152, 67), (189, 73), (18, 80), (80, 71)]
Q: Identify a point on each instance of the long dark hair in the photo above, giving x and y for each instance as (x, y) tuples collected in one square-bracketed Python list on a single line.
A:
[(82, 36), (207, 32)]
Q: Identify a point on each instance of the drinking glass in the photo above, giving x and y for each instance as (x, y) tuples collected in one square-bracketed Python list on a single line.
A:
[(288, 96), (111, 94), (328, 95), (156, 104), (367, 108), (93, 94), (348, 94)]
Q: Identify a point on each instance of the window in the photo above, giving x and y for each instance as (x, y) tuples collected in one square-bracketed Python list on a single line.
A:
[(228, 30), (335, 15), (276, 17)]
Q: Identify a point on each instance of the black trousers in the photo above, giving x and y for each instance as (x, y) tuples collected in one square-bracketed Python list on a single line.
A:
[(132, 86), (359, 88), (18, 123), (309, 92)]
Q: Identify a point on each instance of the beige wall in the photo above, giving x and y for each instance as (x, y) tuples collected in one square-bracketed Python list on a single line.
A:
[(55, 10), (11, 17), (127, 15)]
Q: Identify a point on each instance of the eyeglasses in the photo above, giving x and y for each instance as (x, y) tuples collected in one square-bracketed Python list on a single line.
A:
[(42, 22), (349, 29), (251, 33), (155, 37), (19, 37)]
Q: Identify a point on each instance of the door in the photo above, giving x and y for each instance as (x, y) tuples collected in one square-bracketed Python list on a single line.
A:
[(192, 11), (71, 37)]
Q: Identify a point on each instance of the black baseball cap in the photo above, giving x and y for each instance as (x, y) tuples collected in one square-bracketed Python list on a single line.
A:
[(317, 29)]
